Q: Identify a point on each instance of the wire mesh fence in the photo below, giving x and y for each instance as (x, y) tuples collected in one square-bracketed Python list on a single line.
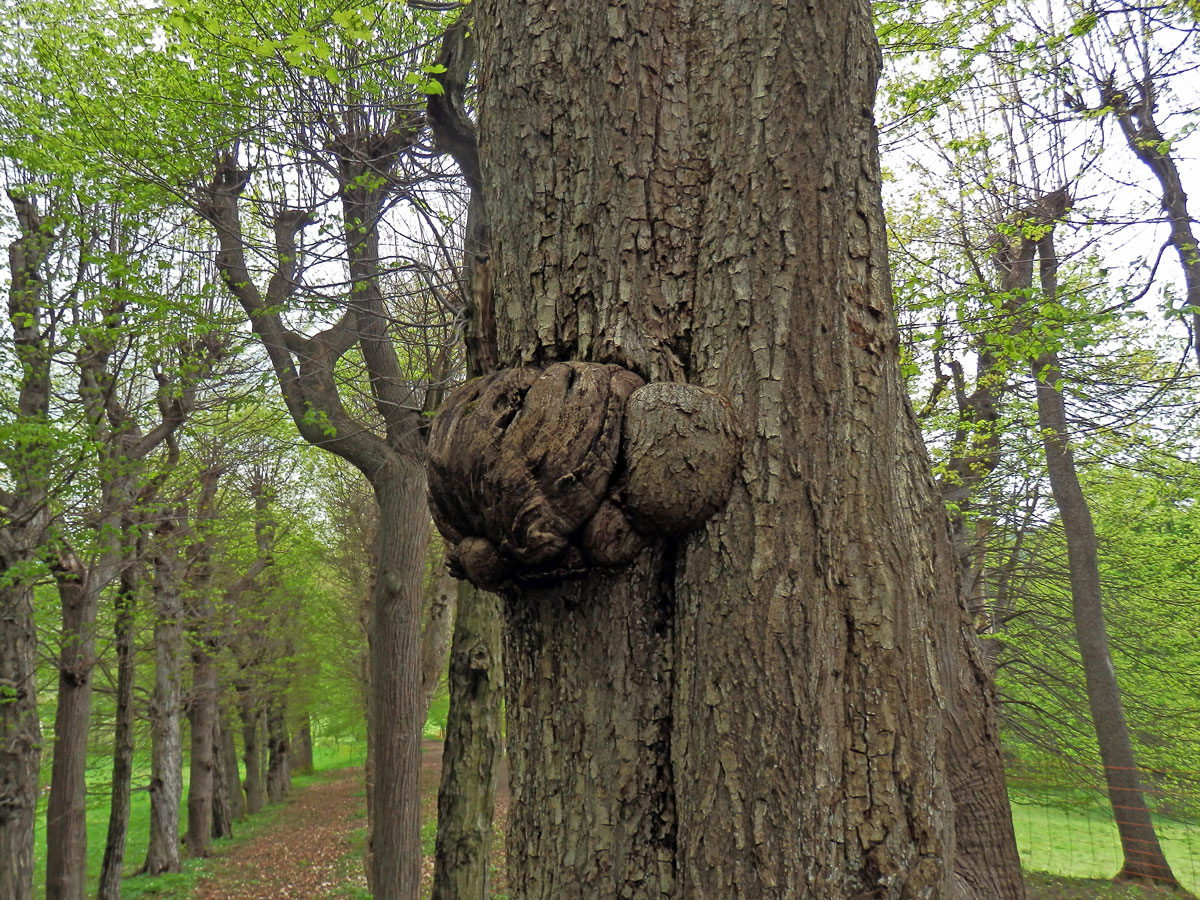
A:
[(1066, 824)]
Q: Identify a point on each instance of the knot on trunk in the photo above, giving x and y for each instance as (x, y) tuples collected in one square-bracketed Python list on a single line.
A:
[(541, 473)]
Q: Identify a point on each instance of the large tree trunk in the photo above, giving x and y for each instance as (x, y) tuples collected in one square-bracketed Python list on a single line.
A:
[(472, 751), (1143, 857), (754, 710), (166, 732), (474, 742), (113, 865), (26, 515)]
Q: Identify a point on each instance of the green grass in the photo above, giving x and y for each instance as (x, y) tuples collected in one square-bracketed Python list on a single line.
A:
[(1082, 843), (435, 723)]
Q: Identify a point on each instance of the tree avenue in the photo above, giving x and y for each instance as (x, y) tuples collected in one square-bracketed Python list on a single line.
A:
[(781, 702)]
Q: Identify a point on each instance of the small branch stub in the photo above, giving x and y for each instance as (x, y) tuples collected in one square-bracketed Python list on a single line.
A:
[(541, 473)]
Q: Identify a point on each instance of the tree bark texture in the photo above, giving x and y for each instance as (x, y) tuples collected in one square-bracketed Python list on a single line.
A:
[(474, 744), (396, 714), (26, 517), (756, 710), (166, 731), (113, 865), (472, 751), (1143, 857), (20, 740)]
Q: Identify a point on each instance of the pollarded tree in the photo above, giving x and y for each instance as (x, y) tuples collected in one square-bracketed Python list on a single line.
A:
[(338, 149), (746, 705)]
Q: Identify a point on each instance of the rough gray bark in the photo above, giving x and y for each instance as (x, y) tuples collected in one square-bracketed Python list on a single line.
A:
[(1144, 861), (473, 748), (395, 699), (66, 833), (24, 518), (755, 710), (113, 864), (166, 734)]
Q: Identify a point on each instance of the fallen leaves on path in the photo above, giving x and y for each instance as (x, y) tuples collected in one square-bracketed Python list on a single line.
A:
[(302, 854), (296, 859)]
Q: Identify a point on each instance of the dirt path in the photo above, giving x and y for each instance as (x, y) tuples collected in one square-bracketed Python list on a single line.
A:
[(301, 854), (296, 857)]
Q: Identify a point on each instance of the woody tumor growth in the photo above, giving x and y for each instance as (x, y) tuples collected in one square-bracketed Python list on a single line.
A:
[(540, 472)]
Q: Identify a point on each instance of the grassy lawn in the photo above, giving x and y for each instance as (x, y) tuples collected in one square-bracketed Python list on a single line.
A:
[(1082, 844)]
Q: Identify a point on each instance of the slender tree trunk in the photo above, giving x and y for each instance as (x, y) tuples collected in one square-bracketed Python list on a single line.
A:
[(166, 732), (435, 638), (473, 749), (251, 751), (278, 751), (112, 868), (202, 714), (264, 741), (396, 715), (66, 821), (222, 808), (237, 800), (1145, 139), (1143, 857)]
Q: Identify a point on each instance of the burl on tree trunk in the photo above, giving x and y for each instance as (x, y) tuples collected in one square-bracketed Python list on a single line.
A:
[(535, 473)]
